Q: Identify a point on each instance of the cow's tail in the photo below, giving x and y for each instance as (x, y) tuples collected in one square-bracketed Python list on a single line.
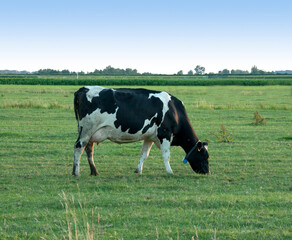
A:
[(76, 109)]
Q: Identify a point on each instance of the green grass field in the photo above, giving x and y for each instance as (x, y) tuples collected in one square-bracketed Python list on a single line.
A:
[(247, 196), (245, 80)]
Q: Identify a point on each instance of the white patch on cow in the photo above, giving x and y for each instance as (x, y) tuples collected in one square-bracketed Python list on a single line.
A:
[(93, 92), (97, 124), (165, 98), (206, 146)]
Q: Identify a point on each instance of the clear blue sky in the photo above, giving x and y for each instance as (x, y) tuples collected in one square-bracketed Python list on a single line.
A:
[(152, 36)]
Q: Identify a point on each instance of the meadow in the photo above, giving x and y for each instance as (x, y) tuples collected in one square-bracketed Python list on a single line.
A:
[(248, 194), (155, 80)]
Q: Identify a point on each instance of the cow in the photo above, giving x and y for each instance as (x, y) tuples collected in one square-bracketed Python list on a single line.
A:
[(129, 115)]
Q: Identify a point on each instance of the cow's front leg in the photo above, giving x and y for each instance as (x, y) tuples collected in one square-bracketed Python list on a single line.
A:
[(89, 151), (144, 154), (165, 149)]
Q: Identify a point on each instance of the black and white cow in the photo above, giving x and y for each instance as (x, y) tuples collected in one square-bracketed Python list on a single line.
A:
[(130, 115)]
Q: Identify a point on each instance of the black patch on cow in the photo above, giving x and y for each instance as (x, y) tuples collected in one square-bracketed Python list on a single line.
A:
[(77, 143), (105, 102), (135, 107)]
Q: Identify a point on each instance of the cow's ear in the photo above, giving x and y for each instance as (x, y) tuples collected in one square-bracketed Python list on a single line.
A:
[(205, 144), (200, 145)]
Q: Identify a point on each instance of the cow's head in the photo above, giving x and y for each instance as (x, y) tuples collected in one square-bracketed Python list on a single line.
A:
[(199, 158)]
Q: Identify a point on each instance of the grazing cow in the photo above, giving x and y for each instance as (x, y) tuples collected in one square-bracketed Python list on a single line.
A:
[(130, 115)]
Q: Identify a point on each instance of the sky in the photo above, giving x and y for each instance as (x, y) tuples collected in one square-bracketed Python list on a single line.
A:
[(161, 36)]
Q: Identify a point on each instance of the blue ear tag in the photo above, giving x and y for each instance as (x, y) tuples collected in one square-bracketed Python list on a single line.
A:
[(185, 161)]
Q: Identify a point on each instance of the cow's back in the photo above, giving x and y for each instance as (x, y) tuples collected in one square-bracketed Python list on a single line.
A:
[(136, 107)]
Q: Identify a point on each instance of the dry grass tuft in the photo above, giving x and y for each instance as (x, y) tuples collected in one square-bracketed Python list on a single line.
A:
[(33, 104)]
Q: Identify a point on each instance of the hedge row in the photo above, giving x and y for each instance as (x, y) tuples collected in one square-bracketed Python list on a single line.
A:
[(146, 82)]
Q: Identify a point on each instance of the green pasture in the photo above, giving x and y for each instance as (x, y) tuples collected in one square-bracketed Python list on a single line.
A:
[(247, 196), (247, 80)]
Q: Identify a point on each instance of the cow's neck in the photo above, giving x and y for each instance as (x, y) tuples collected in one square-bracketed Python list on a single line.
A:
[(187, 138)]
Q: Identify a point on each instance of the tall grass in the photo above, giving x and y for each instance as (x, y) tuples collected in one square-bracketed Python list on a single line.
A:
[(38, 104), (201, 104), (80, 224)]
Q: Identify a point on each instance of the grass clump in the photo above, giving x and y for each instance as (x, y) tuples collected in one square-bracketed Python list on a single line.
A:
[(79, 222), (259, 120), (33, 104), (222, 135)]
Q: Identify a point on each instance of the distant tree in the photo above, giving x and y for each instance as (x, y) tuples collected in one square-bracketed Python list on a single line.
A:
[(130, 71), (237, 71), (48, 71), (199, 70), (254, 70), (109, 70), (190, 72), (96, 72), (180, 72), (225, 71), (261, 72), (146, 73), (65, 72)]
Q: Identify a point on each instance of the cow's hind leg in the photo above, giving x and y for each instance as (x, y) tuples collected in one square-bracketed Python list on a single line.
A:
[(144, 154), (89, 151), (79, 147), (78, 150)]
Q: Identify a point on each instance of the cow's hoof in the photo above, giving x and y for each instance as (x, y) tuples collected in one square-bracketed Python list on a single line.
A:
[(138, 171), (94, 173), (93, 170)]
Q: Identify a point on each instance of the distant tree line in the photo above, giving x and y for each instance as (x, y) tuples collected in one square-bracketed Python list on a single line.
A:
[(13, 72), (199, 70), (111, 71)]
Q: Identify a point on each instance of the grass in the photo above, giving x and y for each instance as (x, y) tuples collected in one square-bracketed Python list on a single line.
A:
[(222, 135), (148, 81), (247, 196)]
